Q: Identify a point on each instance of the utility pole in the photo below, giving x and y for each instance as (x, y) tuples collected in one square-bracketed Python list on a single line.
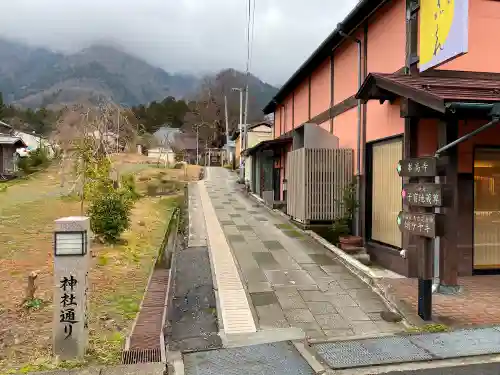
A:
[(227, 127), (118, 133), (241, 131), (197, 144), (245, 120)]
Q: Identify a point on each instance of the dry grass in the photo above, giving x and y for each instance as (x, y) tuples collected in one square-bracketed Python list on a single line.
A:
[(118, 276)]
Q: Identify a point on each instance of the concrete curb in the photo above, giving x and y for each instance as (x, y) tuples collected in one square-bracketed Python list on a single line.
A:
[(316, 365), (175, 363)]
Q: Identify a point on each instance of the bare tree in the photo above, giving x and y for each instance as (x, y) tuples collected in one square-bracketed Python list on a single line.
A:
[(83, 135), (205, 117)]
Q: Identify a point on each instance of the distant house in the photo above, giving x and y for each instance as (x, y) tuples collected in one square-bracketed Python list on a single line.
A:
[(32, 141), (110, 139), (256, 133), (187, 144), (8, 155), (165, 138)]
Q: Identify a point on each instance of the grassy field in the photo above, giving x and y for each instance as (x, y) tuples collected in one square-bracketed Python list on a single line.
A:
[(118, 273)]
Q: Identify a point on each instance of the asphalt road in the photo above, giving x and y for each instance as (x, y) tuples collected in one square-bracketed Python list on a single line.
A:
[(474, 369)]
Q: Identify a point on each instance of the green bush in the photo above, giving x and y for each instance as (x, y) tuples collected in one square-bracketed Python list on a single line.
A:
[(129, 188), (39, 157), (36, 159), (110, 216), (3, 188), (24, 164), (342, 224)]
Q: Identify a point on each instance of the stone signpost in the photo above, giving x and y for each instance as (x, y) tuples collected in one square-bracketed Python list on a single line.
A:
[(422, 195), (71, 265)]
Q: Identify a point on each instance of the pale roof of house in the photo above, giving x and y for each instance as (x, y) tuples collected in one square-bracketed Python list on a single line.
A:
[(9, 140)]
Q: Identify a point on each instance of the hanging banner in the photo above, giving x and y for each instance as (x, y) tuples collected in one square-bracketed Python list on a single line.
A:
[(444, 31)]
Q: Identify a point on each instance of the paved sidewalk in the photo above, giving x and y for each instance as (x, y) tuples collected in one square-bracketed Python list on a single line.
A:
[(290, 280)]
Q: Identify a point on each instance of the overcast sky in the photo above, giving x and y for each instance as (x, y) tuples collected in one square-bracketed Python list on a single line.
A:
[(182, 35)]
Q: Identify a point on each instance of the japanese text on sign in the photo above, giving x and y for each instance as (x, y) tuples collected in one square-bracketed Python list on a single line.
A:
[(418, 167), (424, 195), (418, 224), (68, 304)]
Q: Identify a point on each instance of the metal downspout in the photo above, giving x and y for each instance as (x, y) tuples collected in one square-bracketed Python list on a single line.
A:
[(358, 152)]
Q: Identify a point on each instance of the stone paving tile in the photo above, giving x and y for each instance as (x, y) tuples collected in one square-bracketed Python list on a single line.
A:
[(337, 268), (353, 283), (263, 298), (290, 299), (255, 245), (330, 287), (352, 313), (300, 277), (271, 316), (322, 259), (299, 316), (342, 300), (362, 294), (375, 317), (371, 305), (266, 261), (235, 238), (277, 277), (332, 321), (259, 286), (244, 227), (364, 328), (387, 327), (285, 260), (320, 308), (314, 270), (298, 287), (273, 245), (239, 221), (300, 256), (254, 275), (314, 296)]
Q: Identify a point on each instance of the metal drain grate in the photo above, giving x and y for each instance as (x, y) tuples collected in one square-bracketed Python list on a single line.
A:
[(130, 357)]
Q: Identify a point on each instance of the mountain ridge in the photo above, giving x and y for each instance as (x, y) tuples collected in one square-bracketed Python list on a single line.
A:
[(37, 77)]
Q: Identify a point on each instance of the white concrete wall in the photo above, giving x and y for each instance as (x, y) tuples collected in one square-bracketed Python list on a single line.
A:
[(248, 169), (34, 141), (166, 156)]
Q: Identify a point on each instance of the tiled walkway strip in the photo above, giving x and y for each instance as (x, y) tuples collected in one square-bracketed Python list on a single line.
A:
[(236, 313)]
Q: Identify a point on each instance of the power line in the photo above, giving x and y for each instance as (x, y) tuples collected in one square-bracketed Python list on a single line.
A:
[(249, 22), (253, 35), (250, 33)]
